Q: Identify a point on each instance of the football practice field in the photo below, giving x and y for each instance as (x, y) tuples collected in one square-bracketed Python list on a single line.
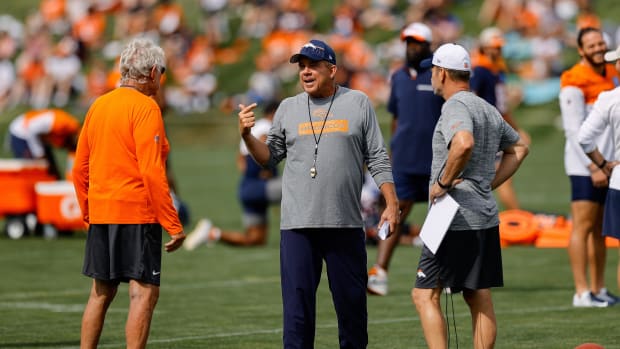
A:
[(224, 297)]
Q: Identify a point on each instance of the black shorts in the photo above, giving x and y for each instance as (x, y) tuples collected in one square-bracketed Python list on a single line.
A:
[(123, 252), (466, 259)]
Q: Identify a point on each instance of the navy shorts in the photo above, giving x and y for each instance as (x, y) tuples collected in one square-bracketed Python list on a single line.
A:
[(20, 148), (611, 218), (123, 252), (411, 187), (582, 189), (254, 201), (466, 259)]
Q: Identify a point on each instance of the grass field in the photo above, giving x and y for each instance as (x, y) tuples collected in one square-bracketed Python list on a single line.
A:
[(224, 297)]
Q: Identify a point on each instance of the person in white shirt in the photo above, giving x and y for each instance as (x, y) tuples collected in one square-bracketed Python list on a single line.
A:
[(605, 114)]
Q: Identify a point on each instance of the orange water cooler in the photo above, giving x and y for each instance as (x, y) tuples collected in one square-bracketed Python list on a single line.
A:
[(18, 204), (57, 208)]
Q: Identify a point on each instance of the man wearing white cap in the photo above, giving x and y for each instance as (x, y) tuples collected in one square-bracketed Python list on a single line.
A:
[(605, 114), (469, 133), (415, 110)]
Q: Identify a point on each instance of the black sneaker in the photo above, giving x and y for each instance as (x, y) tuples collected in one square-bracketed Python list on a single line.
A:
[(607, 296)]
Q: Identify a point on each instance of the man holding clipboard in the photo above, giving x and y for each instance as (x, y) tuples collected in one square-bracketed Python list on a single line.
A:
[(469, 134)]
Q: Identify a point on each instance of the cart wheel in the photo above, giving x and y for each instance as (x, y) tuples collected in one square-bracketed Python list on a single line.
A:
[(15, 227), (31, 223), (49, 232)]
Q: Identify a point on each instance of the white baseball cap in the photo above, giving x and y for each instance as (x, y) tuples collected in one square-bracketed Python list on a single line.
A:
[(449, 56), (612, 56), (491, 37), (417, 31)]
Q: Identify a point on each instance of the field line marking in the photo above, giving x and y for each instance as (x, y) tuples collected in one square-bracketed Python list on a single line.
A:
[(209, 284), (326, 326)]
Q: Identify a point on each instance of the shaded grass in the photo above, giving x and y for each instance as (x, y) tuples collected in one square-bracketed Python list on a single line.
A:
[(223, 297)]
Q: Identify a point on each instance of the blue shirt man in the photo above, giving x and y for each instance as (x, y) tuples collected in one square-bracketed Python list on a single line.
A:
[(415, 110)]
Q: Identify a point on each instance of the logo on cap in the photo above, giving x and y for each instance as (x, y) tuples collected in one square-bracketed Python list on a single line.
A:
[(315, 50)]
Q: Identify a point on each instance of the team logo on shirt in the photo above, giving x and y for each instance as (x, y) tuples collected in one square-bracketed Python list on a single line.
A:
[(456, 125), (424, 87), (331, 126), (156, 139)]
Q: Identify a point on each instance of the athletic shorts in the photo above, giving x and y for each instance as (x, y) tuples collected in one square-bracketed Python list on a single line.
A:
[(411, 187), (123, 252), (582, 189), (611, 218), (466, 259), (20, 148)]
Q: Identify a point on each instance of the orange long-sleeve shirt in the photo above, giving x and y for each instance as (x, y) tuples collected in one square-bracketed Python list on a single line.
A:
[(120, 163)]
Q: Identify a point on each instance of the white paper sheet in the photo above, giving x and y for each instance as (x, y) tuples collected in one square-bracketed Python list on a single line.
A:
[(437, 221), (384, 231)]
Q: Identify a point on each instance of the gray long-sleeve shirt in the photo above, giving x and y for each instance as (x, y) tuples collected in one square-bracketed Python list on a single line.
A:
[(351, 137)]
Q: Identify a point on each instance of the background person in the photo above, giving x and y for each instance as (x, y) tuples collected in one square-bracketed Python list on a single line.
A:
[(604, 115), (415, 110), (581, 85), (321, 188), (259, 187), (467, 137), (121, 185), (488, 81), (35, 133)]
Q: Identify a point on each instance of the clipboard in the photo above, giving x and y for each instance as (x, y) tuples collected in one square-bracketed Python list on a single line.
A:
[(437, 221)]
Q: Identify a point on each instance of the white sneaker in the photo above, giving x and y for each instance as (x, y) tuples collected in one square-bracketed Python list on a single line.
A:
[(199, 235), (588, 300), (377, 281)]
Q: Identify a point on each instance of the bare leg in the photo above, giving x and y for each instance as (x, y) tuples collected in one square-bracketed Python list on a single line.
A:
[(597, 253), (507, 195), (583, 213), (385, 248), (101, 295), (255, 235), (484, 324), (428, 305), (142, 300)]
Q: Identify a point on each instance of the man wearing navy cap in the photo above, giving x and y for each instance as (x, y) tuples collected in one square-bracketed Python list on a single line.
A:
[(328, 134), (469, 133)]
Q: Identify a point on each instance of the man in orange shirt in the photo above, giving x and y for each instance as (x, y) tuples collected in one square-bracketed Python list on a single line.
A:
[(120, 180), (580, 87)]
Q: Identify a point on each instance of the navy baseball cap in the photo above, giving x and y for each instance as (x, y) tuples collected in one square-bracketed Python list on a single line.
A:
[(315, 50)]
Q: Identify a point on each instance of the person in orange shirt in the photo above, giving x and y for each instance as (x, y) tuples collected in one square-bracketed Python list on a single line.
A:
[(35, 133), (89, 31), (580, 87), (120, 180)]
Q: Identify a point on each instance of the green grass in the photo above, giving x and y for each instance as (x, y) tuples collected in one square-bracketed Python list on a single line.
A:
[(224, 297)]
